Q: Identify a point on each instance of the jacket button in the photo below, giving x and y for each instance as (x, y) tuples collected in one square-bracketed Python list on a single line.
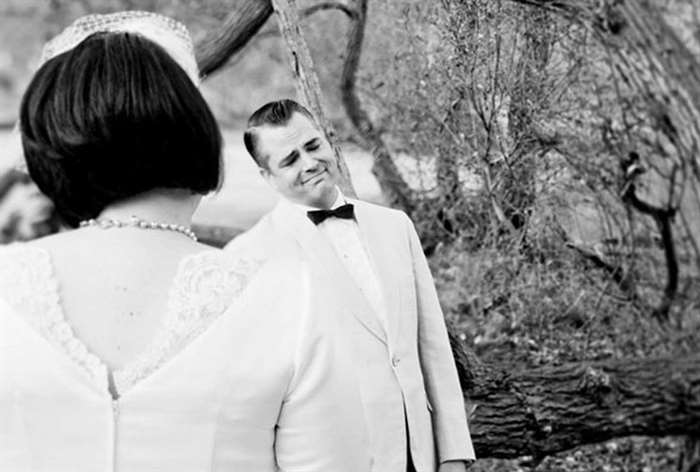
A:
[(395, 361)]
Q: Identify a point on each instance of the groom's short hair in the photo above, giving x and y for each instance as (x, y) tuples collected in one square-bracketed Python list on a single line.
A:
[(277, 113)]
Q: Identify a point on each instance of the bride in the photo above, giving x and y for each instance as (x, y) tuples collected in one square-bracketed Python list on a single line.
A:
[(124, 343)]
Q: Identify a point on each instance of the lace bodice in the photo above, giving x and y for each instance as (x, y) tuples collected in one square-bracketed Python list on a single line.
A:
[(205, 285)]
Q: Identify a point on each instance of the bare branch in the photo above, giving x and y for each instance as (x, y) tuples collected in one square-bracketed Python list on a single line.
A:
[(238, 28), (307, 12), (663, 217), (350, 12), (617, 273)]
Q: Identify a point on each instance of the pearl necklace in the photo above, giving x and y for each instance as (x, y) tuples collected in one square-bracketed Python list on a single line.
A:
[(136, 222)]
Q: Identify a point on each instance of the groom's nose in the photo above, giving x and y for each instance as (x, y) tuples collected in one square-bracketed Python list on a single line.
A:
[(308, 163)]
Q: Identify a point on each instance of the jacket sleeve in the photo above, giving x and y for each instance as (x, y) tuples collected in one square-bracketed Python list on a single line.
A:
[(321, 426), (452, 438)]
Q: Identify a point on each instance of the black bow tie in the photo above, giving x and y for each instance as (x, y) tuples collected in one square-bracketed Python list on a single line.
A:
[(346, 212)]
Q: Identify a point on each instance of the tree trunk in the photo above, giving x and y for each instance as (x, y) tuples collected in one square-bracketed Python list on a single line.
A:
[(668, 51), (543, 411), (638, 27), (306, 80)]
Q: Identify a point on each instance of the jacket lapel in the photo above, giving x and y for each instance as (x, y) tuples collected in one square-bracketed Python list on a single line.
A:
[(382, 245), (289, 220)]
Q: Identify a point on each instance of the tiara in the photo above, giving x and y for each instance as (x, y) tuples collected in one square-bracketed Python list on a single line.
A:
[(168, 33)]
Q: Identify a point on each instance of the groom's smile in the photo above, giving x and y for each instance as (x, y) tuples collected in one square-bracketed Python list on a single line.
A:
[(316, 178)]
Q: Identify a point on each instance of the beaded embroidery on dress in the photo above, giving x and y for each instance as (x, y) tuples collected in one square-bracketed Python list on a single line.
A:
[(206, 284)]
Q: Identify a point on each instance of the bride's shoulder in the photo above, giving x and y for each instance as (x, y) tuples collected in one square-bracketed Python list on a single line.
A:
[(20, 257), (26, 281), (30, 254), (13, 249)]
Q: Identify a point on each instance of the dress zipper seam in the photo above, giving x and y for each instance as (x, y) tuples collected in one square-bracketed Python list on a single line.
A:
[(115, 417)]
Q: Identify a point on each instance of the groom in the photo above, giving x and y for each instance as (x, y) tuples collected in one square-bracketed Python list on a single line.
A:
[(414, 407)]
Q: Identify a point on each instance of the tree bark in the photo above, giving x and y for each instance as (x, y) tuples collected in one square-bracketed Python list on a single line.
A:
[(543, 411), (639, 27), (672, 56), (309, 11), (244, 21), (306, 80)]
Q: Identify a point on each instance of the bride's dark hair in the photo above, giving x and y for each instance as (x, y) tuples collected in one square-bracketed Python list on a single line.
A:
[(114, 117)]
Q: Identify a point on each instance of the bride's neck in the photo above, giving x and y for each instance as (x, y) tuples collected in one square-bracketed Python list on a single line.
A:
[(172, 206)]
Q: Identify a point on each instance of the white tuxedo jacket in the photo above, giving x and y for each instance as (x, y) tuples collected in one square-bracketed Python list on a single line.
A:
[(407, 372)]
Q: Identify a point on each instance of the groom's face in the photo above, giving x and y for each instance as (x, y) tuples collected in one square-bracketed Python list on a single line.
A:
[(300, 162)]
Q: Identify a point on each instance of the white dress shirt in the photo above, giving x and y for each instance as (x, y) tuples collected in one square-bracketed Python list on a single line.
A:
[(346, 239)]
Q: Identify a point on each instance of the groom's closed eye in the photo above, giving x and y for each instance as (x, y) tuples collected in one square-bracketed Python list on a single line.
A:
[(289, 159), (312, 145)]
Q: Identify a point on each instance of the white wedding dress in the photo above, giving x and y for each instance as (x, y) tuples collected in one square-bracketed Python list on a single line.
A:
[(244, 375)]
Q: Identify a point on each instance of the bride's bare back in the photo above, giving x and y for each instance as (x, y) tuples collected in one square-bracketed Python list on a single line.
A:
[(114, 285)]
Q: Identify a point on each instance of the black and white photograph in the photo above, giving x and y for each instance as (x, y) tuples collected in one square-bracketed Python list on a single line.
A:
[(349, 236)]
